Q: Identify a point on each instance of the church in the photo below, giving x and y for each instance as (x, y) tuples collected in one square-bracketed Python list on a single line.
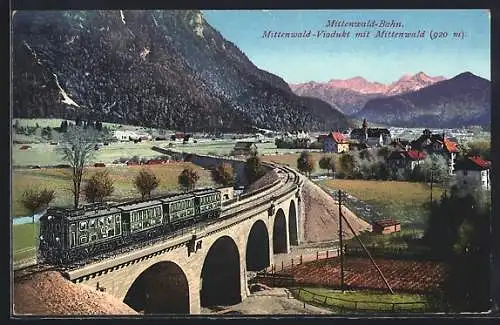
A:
[(372, 137)]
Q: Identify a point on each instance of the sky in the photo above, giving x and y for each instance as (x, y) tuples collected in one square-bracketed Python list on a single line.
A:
[(384, 60)]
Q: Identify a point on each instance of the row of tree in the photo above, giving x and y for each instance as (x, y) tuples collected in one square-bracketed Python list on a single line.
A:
[(370, 164), (458, 232), (100, 185)]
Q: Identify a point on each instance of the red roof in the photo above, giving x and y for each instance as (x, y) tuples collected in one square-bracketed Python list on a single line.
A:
[(450, 145), (386, 222), (337, 137), (480, 162), (416, 155)]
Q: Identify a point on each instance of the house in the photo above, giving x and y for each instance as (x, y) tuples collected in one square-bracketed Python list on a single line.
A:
[(405, 161), (473, 171), (335, 142), (400, 144), (371, 136), (126, 135), (438, 144), (288, 140), (244, 148), (386, 226)]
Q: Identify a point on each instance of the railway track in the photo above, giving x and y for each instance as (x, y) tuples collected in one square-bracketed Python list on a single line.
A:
[(289, 180)]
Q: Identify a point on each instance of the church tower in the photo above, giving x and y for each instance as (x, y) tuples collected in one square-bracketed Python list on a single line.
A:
[(365, 130)]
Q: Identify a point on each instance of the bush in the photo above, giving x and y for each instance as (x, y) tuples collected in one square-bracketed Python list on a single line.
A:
[(36, 200), (188, 178), (305, 163), (254, 169), (99, 186), (223, 174), (145, 182)]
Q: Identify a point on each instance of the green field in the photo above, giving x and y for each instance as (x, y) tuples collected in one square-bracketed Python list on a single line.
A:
[(364, 300), (23, 240), (402, 201), (44, 154), (60, 181)]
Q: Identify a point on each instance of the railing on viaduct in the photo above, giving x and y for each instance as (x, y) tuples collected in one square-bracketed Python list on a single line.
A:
[(239, 210)]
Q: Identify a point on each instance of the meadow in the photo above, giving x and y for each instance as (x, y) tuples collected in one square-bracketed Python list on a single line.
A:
[(403, 201), (363, 300), (59, 180)]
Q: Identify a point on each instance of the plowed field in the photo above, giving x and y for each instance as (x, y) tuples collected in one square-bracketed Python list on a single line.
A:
[(402, 275)]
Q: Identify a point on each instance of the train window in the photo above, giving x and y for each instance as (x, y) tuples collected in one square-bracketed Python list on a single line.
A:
[(101, 222), (84, 239), (83, 225), (109, 220), (92, 223), (73, 239)]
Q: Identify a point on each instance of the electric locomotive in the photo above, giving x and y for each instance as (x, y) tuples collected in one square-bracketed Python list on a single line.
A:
[(69, 235)]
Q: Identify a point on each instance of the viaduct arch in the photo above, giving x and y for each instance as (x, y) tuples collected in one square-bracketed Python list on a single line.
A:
[(160, 289), (257, 249), (220, 275), (205, 268)]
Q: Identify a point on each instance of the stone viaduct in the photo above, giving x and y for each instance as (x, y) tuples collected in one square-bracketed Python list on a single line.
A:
[(205, 266)]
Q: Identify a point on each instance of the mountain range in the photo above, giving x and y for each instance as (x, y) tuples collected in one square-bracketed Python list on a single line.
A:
[(412, 101), (351, 95), (161, 68), (460, 101)]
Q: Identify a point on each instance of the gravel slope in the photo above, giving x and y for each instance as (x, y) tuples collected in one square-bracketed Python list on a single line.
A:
[(320, 216), (49, 293)]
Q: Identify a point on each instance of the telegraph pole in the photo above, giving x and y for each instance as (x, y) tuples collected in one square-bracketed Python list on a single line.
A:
[(432, 181), (341, 244), (341, 216)]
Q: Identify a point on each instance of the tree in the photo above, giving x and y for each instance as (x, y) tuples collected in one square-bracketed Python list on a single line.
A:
[(328, 163), (458, 231), (35, 201), (332, 165), (254, 169), (63, 127), (188, 178), (99, 186), (384, 152), (223, 174), (77, 149), (348, 164), (435, 168), (145, 182), (98, 125), (305, 163), (480, 148)]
